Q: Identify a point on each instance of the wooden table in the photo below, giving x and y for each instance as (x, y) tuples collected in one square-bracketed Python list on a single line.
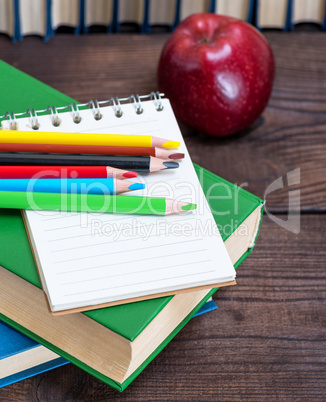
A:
[(267, 340)]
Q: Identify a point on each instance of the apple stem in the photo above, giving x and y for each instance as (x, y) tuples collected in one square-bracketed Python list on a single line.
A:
[(204, 40)]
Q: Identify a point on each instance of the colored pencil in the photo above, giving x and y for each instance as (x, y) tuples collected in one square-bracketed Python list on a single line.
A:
[(66, 172), (91, 150), (93, 203), (77, 186), (138, 163), (113, 140)]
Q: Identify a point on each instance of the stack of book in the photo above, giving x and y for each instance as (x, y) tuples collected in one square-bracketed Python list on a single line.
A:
[(95, 265), (45, 17)]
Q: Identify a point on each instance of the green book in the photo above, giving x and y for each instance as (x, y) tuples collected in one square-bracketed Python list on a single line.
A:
[(114, 344)]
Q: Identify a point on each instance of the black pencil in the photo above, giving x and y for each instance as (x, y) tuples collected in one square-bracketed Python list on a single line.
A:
[(137, 163)]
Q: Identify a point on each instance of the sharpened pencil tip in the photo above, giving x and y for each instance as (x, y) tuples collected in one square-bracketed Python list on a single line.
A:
[(171, 165), (171, 144), (136, 186), (177, 156), (130, 175), (189, 207)]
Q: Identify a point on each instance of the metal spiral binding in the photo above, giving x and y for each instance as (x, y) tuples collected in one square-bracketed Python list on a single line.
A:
[(116, 106), (54, 116), (75, 109), (12, 120), (96, 109), (137, 104), (33, 118), (156, 96), (75, 112)]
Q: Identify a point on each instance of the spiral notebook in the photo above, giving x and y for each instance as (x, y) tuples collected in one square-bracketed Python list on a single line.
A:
[(88, 261)]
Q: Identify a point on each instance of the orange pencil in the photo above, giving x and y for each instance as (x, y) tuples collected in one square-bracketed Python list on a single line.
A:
[(91, 149)]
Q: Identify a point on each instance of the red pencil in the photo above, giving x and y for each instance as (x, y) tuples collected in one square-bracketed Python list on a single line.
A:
[(73, 172), (91, 149)]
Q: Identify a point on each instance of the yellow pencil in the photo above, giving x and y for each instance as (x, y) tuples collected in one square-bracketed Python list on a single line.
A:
[(114, 140)]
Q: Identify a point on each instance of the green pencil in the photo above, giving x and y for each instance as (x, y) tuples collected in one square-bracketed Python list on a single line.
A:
[(113, 204)]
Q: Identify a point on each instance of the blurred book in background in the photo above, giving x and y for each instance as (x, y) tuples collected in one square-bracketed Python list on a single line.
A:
[(162, 14), (101, 14), (241, 9), (308, 11), (44, 18), (188, 7), (7, 19), (34, 18), (274, 14), (67, 14), (130, 12)]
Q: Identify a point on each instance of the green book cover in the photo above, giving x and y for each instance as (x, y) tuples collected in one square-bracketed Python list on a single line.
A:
[(15, 253)]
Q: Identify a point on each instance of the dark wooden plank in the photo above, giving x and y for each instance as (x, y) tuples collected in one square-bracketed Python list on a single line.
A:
[(289, 135), (265, 342), (91, 66)]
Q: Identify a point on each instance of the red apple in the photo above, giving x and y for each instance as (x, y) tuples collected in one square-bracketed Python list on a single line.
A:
[(217, 72)]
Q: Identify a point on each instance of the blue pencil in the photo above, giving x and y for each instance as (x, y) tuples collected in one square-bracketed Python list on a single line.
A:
[(76, 186)]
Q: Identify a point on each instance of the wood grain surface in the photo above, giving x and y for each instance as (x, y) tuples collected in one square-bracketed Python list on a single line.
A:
[(267, 340)]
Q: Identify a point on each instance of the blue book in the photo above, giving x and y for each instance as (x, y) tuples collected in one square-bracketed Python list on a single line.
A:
[(71, 16), (177, 15), (81, 22), (210, 305), (49, 31), (32, 29), (146, 26), (21, 357), (17, 35)]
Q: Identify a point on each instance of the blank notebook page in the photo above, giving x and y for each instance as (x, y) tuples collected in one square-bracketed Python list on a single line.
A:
[(88, 259)]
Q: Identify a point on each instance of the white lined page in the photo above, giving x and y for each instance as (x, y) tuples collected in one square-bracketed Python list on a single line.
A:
[(88, 259)]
